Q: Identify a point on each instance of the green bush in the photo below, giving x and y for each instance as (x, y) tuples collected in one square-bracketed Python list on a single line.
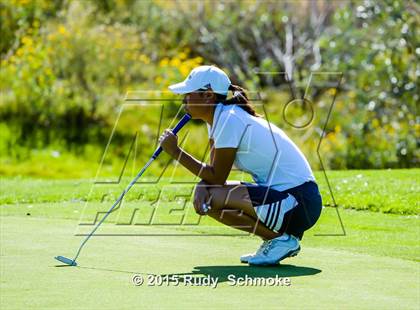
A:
[(66, 67)]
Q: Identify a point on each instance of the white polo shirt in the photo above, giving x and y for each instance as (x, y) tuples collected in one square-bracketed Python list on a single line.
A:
[(264, 150)]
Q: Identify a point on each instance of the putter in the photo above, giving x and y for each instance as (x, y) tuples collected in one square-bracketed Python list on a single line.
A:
[(72, 262)]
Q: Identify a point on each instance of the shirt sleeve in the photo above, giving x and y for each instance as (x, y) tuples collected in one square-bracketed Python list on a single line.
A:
[(228, 130)]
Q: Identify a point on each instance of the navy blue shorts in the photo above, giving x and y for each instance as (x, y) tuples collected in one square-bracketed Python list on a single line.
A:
[(291, 211)]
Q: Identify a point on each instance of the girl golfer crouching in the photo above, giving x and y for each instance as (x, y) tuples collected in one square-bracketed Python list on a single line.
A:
[(283, 202)]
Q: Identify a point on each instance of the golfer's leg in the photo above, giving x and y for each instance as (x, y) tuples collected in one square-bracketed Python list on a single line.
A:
[(232, 206), (239, 220)]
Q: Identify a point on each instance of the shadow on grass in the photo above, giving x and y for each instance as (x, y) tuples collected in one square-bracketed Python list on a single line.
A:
[(222, 272)]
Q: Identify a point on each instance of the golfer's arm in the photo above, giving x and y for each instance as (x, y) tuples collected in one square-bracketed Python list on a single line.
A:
[(212, 151), (221, 161)]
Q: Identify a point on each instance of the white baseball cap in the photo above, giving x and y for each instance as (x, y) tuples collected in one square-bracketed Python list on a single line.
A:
[(203, 77)]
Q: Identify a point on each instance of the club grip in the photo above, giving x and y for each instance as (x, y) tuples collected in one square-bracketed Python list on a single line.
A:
[(175, 130)]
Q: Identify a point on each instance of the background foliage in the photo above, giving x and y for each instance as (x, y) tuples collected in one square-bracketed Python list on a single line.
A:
[(66, 67)]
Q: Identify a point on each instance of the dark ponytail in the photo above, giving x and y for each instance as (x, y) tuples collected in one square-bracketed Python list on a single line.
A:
[(239, 98)]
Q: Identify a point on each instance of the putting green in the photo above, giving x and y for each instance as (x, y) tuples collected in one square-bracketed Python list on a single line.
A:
[(320, 276)]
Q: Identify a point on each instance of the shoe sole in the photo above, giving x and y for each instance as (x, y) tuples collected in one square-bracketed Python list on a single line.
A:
[(291, 253), (244, 261)]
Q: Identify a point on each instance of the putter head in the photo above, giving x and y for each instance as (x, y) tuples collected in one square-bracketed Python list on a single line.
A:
[(66, 260)]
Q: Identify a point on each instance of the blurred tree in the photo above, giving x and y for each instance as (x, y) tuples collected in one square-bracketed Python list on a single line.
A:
[(19, 17), (376, 46), (66, 65), (247, 37)]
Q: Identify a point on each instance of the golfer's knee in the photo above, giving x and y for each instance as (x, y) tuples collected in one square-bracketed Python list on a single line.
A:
[(201, 194), (229, 196), (217, 198), (215, 213)]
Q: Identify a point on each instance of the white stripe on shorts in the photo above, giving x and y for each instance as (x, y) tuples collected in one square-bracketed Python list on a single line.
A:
[(272, 214)]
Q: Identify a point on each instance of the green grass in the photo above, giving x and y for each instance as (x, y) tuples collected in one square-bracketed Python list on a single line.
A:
[(387, 191), (347, 272), (375, 265), (50, 164)]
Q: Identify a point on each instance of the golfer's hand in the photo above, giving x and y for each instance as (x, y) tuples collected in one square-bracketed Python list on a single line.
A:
[(202, 199), (169, 143)]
